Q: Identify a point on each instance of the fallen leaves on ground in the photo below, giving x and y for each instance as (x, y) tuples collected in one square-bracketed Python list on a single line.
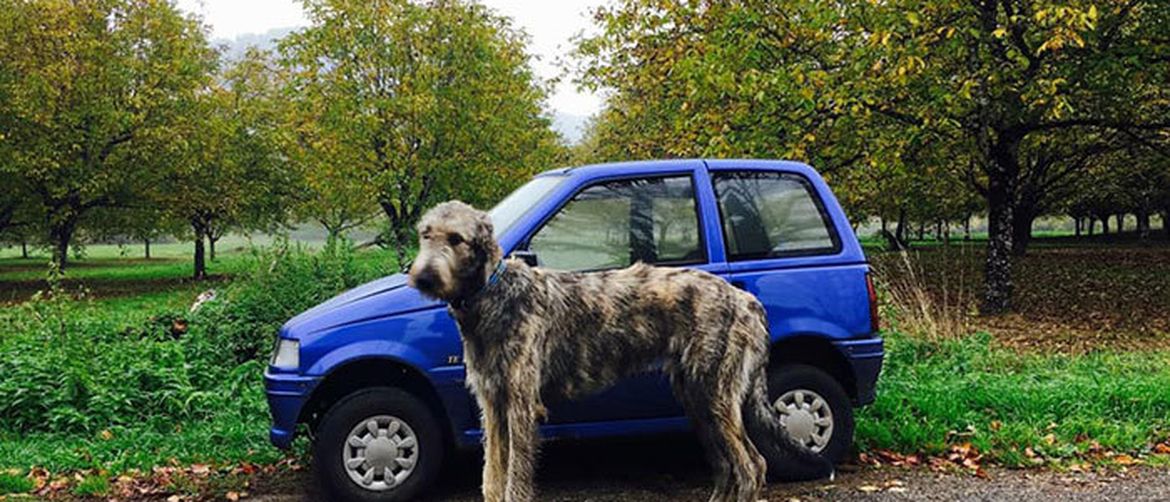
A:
[(173, 483)]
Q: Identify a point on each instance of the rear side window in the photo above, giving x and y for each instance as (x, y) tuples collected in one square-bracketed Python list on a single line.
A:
[(770, 215), (616, 223)]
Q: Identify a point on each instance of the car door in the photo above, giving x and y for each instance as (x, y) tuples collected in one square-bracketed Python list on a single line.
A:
[(783, 245), (612, 223)]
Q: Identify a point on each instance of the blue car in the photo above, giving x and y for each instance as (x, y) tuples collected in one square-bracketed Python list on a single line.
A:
[(376, 374)]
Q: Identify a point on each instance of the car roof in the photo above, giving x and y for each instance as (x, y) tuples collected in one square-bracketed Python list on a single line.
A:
[(649, 166)]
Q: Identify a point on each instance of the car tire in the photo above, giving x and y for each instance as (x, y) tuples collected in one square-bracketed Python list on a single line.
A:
[(403, 453), (821, 397)]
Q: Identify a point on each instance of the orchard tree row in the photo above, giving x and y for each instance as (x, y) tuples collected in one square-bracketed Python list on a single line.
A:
[(923, 111), (119, 118)]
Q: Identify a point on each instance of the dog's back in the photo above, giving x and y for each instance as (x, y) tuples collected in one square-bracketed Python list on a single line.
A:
[(604, 325)]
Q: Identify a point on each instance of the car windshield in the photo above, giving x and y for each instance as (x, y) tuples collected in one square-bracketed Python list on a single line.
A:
[(509, 210)]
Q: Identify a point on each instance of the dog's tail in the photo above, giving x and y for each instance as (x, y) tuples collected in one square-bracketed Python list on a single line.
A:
[(787, 459)]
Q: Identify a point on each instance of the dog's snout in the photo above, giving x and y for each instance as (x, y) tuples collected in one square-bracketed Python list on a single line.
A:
[(424, 279)]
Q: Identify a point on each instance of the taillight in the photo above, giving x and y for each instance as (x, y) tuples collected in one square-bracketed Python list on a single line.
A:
[(875, 323)]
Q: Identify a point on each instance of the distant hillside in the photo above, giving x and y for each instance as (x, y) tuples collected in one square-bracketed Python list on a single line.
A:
[(235, 48), (569, 125)]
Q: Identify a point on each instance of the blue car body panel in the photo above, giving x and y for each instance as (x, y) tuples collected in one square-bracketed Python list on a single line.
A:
[(823, 296)]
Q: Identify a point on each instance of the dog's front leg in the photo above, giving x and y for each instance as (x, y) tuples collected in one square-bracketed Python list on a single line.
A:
[(523, 438), (495, 445)]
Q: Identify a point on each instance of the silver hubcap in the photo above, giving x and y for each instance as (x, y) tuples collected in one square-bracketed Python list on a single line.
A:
[(807, 416), (380, 452)]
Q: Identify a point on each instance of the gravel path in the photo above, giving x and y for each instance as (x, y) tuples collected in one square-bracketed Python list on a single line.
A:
[(672, 469)]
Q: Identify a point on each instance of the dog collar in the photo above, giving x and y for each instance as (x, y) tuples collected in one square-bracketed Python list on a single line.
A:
[(499, 271), (492, 279)]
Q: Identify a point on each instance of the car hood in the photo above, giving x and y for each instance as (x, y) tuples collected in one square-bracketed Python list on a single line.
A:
[(380, 298)]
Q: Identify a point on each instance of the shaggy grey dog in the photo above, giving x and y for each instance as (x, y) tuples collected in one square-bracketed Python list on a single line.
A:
[(531, 334)]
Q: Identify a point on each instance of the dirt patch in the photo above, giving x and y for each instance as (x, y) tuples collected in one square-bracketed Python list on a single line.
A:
[(1072, 299)]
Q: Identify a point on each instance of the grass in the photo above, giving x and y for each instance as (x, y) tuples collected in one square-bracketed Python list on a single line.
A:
[(92, 486), (936, 393), (14, 481)]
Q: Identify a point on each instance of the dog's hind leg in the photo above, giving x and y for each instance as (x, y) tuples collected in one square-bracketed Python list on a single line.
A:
[(746, 464), (698, 407)]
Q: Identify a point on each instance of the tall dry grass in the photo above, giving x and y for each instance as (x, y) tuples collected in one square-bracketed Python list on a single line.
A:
[(934, 303)]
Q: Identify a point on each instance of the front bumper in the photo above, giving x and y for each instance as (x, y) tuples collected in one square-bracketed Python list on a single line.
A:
[(287, 395), (865, 360)]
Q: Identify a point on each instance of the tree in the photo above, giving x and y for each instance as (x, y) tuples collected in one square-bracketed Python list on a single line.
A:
[(1001, 75), (428, 100), (229, 173), (89, 91), (335, 193), (973, 89)]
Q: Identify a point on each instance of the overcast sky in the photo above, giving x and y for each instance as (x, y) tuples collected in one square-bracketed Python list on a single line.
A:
[(550, 23)]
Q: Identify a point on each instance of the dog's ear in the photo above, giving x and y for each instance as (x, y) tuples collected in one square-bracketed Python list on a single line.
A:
[(484, 239)]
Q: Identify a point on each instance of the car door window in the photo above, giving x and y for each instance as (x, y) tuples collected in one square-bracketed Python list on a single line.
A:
[(770, 214), (616, 223)]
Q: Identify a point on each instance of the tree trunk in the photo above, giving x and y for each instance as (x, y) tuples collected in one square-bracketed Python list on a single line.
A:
[(200, 266), (1166, 224), (967, 227), (1022, 229), (900, 232), (401, 244), (1077, 226), (1120, 223), (1001, 201), (211, 246), (938, 230), (997, 294), (1143, 224), (1105, 225), (921, 230), (60, 234), (947, 234), (1091, 223), (146, 248), (200, 272), (24, 247)]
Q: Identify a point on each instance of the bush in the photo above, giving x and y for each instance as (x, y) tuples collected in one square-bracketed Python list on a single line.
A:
[(68, 367)]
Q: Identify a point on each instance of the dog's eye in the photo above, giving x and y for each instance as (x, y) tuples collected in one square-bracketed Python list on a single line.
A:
[(454, 239)]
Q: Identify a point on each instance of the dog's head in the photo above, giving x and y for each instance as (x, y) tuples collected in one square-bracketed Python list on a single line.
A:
[(456, 251)]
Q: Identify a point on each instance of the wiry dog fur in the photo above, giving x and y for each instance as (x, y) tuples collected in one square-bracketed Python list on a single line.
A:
[(539, 334)]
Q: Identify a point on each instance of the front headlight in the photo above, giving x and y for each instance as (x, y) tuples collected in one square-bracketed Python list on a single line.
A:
[(287, 355)]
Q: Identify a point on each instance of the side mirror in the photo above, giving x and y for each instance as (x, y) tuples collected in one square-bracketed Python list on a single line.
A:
[(528, 257)]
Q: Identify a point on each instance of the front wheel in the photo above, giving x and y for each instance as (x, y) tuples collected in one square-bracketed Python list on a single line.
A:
[(814, 409), (380, 444)]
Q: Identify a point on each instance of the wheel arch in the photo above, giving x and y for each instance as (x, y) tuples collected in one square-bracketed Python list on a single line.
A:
[(373, 371), (818, 351)]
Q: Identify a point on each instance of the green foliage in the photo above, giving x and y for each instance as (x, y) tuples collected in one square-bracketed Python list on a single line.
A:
[(15, 482), (88, 99), (281, 282), (173, 383), (421, 101), (92, 486), (933, 394)]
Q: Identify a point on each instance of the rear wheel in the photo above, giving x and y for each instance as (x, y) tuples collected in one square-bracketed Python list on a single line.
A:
[(380, 444), (814, 408)]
